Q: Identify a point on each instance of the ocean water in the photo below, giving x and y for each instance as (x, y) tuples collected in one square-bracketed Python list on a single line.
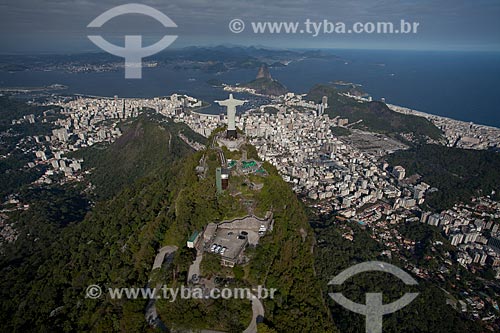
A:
[(459, 85)]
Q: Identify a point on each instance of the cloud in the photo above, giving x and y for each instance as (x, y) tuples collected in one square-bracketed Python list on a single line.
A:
[(465, 20)]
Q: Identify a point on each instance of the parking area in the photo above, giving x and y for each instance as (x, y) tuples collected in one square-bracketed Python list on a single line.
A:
[(229, 238), (229, 244)]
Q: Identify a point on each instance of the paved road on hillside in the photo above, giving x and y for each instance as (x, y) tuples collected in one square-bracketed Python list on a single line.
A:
[(165, 256), (257, 317), (194, 269)]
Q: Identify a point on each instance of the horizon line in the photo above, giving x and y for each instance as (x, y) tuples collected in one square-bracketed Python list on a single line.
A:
[(264, 47)]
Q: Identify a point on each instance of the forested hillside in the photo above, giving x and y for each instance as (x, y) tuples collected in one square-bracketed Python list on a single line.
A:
[(374, 116), (153, 197), (64, 246), (458, 174)]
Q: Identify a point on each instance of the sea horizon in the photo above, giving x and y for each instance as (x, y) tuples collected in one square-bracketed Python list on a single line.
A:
[(463, 83)]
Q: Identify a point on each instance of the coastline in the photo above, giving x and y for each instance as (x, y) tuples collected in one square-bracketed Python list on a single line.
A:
[(405, 110), (459, 133)]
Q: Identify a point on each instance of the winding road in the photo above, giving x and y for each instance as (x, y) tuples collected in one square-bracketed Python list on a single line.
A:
[(165, 256), (258, 315)]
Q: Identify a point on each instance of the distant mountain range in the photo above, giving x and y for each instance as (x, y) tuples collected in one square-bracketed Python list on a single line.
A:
[(208, 59)]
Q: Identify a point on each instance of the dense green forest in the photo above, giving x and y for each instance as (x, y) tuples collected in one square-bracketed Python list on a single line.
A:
[(375, 116), (63, 247), (429, 312), (14, 174), (283, 260), (145, 145), (286, 262), (458, 174)]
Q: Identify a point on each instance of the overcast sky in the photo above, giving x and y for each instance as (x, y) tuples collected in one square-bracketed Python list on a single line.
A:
[(34, 26)]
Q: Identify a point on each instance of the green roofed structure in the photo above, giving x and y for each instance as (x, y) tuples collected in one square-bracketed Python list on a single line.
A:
[(191, 243), (248, 164)]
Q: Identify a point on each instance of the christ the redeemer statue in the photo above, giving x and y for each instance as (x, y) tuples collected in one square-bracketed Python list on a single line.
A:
[(231, 105)]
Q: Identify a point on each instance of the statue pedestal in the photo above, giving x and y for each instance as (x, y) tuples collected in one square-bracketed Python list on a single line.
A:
[(232, 144)]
